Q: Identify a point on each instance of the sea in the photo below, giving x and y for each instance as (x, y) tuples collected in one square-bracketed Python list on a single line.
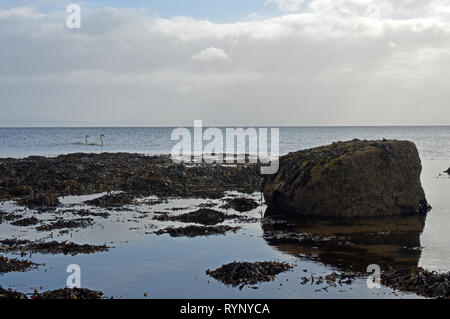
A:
[(143, 265)]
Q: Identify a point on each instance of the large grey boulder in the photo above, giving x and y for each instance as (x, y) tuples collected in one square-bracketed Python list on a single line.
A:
[(354, 178)]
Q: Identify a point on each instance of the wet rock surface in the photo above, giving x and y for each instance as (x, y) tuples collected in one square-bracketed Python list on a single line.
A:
[(347, 179), (241, 204), (195, 231), (62, 223), (25, 222), (111, 200), (138, 175), (40, 200), (202, 216), (11, 294), (245, 273), (420, 281), (9, 265), (66, 293), (53, 247)]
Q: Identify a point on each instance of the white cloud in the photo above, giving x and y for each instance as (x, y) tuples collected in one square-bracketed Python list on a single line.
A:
[(286, 5), (210, 54), (334, 64), (393, 45)]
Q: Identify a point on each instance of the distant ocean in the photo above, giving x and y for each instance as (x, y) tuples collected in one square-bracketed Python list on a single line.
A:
[(433, 142)]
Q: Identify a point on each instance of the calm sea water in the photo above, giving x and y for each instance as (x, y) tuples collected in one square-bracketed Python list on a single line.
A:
[(162, 267), (432, 142)]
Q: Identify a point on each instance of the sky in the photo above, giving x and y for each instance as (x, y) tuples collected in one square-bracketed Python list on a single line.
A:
[(229, 62)]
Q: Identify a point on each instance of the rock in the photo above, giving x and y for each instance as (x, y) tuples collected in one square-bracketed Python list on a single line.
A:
[(135, 174), (420, 281), (53, 247), (111, 200), (25, 222), (11, 294), (68, 293), (245, 273), (40, 200), (347, 179), (204, 216), (195, 231), (62, 223), (9, 265), (241, 204)]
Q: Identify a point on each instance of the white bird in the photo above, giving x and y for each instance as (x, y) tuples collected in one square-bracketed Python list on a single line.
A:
[(101, 141), (82, 143)]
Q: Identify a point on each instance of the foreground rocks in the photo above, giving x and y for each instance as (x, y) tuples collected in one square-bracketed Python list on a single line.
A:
[(347, 179), (420, 281), (245, 273), (66, 293), (9, 265)]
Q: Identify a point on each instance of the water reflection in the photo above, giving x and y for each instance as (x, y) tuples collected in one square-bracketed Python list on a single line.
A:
[(350, 245)]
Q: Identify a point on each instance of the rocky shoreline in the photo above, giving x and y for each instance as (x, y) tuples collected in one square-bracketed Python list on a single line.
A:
[(38, 181), (127, 181)]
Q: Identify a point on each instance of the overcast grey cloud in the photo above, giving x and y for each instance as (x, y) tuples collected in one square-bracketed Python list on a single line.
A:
[(338, 62)]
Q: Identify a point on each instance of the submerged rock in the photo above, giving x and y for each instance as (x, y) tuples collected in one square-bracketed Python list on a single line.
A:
[(347, 179), (245, 273)]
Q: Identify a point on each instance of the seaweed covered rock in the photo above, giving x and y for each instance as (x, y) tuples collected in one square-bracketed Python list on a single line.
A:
[(204, 216), (195, 231), (40, 200), (111, 200), (346, 179), (245, 273), (418, 280), (241, 204), (9, 294), (68, 293)]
